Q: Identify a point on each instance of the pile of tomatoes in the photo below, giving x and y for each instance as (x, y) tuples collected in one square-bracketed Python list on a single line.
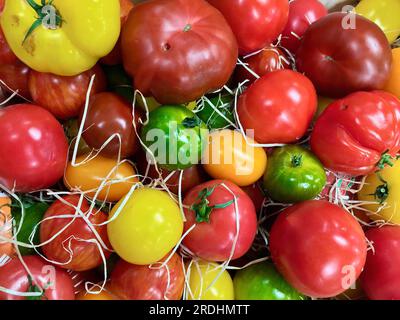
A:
[(193, 149)]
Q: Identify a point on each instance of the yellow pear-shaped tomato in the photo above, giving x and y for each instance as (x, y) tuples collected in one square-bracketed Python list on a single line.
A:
[(393, 84)]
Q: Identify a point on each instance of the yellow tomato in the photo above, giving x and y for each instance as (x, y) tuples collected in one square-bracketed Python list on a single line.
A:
[(202, 274), (147, 227), (393, 84), (88, 176), (228, 156)]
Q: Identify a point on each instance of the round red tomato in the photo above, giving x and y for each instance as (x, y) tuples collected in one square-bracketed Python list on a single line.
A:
[(279, 107), (33, 148), (55, 283), (318, 247), (6, 54), (15, 77), (177, 51), (381, 276), (148, 282), (353, 133), (211, 208), (255, 23), (70, 248), (256, 194)]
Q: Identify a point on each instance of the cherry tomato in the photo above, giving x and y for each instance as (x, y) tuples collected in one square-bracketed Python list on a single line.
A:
[(393, 84)]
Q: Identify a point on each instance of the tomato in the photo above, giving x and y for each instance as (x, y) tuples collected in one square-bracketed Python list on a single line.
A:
[(354, 293), (318, 247), (302, 13), (279, 107), (64, 96), (150, 282), (151, 220), (293, 174), (33, 148), (71, 130), (262, 281), (220, 119), (323, 103), (55, 282), (103, 295), (109, 114), (120, 83), (69, 248), (6, 54), (393, 84), (341, 60), (255, 23), (353, 133), (87, 176), (203, 284), (381, 277), (156, 51), (256, 194), (6, 247), (211, 208)]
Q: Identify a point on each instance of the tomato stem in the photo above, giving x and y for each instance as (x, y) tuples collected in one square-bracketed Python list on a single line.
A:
[(382, 191), (297, 160), (386, 159)]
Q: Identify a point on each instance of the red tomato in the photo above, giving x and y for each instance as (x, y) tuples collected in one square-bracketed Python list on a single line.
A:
[(33, 148), (255, 23), (381, 276), (318, 247), (6, 54), (15, 76), (178, 50), (302, 13), (211, 208), (351, 135), (55, 282), (84, 255), (134, 282), (64, 96), (256, 194), (279, 107)]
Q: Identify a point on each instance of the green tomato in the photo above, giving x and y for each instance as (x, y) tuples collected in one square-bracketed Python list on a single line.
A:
[(213, 119), (176, 137), (293, 174), (262, 281)]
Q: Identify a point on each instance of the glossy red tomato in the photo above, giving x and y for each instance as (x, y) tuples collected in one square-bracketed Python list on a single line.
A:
[(149, 282), (255, 23), (6, 54), (353, 133), (178, 50), (211, 207), (64, 96), (302, 13), (15, 76), (256, 194), (55, 282), (318, 247), (279, 107), (381, 276), (342, 60), (83, 255), (33, 148)]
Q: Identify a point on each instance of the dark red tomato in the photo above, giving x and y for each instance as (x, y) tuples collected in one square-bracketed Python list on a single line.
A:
[(33, 148), (134, 282), (6, 54), (84, 255), (64, 96), (302, 13), (279, 107), (15, 76), (55, 282), (255, 23), (353, 133), (178, 50), (342, 60), (256, 194), (1, 5), (381, 276), (318, 247), (110, 114), (211, 207)]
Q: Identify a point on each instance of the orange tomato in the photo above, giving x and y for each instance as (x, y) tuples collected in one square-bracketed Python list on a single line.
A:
[(105, 294), (393, 85), (5, 225)]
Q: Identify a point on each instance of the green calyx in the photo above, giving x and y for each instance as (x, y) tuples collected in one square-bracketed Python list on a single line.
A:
[(386, 159), (191, 122), (382, 191), (297, 160), (34, 289)]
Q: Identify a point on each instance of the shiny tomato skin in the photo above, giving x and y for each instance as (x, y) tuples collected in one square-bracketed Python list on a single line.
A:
[(178, 50), (279, 107), (33, 148), (85, 255), (312, 243), (255, 23), (381, 276), (6, 54), (14, 276), (16, 77)]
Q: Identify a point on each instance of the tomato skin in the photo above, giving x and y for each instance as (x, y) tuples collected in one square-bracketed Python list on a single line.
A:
[(85, 255), (135, 282), (14, 276), (156, 53), (381, 277), (210, 117), (255, 23), (314, 236), (340, 61), (39, 160), (393, 85), (104, 295), (351, 135), (15, 76), (279, 107), (256, 194), (6, 54)]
